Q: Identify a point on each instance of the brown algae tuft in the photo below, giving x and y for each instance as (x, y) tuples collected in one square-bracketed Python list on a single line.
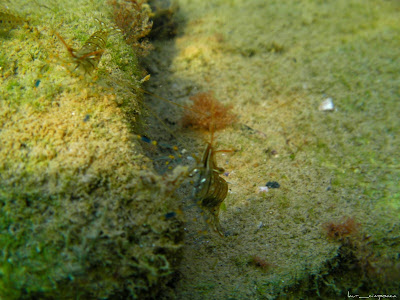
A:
[(207, 112), (133, 18)]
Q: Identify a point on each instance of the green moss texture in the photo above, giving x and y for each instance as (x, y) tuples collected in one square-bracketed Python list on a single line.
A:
[(82, 215)]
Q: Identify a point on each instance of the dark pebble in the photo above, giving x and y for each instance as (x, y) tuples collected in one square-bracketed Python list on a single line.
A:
[(170, 215), (272, 185)]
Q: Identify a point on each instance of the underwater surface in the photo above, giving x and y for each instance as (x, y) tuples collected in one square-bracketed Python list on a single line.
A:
[(222, 149)]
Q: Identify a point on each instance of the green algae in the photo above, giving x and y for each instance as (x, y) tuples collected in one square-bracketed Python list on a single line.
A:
[(82, 213)]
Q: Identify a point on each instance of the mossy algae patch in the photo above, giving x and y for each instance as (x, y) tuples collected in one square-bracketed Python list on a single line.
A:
[(82, 213)]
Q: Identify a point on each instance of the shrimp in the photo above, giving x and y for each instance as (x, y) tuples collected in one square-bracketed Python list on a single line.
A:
[(88, 57), (210, 189)]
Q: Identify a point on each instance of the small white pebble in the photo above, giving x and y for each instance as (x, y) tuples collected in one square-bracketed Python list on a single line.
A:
[(263, 189), (327, 105)]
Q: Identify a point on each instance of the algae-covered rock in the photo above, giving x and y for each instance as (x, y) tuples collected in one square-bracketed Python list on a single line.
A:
[(81, 213)]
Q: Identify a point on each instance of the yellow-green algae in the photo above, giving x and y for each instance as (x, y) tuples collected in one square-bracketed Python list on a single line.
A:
[(82, 216), (275, 62)]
